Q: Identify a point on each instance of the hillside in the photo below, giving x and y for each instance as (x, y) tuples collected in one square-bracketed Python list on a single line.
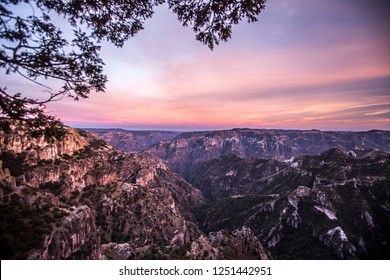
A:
[(327, 206), (189, 149), (292, 188), (79, 198), (248, 194)]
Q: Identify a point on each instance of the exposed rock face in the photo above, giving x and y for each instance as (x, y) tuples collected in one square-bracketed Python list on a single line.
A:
[(131, 140), (64, 166), (337, 202), (240, 244), (114, 251), (76, 238), (73, 195), (234, 176), (18, 141), (79, 198), (138, 216), (259, 179), (36, 225), (188, 150), (152, 174)]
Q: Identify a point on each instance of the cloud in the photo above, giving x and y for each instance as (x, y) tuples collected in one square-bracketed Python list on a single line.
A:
[(305, 64)]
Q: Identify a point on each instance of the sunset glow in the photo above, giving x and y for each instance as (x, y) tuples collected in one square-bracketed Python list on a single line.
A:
[(306, 64)]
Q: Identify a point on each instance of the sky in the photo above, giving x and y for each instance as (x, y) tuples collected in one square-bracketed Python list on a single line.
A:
[(306, 64)]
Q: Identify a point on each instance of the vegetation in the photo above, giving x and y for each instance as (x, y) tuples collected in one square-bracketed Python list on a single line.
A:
[(16, 163), (53, 187), (97, 144), (355, 190), (24, 226)]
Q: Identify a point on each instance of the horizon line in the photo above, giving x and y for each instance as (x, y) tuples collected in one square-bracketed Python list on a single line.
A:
[(172, 129)]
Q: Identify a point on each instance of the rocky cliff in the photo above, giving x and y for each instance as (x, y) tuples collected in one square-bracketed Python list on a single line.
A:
[(221, 245), (73, 195), (334, 201), (332, 205), (79, 198), (240, 244), (36, 225)]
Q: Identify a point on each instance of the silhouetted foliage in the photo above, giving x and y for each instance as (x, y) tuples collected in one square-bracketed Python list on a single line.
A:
[(34, 47), (31, 113), (212, 21)]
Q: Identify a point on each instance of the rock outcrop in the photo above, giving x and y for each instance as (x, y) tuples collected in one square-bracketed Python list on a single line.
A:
[(76, 238), (79, 198), (76, 194), (337, 202), (241, 244)]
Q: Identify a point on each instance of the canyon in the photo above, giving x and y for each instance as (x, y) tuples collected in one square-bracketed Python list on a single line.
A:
[(233, 194)]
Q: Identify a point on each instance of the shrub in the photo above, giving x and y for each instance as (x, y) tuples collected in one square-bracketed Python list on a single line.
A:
[(16, 163)]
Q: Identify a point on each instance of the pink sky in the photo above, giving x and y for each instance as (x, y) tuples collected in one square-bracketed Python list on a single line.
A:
[(306, 64)]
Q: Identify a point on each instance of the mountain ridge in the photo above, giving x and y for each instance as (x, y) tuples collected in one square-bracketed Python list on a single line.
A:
[(79, 198), (132, 140), (184, 152), (310, 199)]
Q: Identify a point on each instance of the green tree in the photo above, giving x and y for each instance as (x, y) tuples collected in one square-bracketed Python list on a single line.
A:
[(35, 48)]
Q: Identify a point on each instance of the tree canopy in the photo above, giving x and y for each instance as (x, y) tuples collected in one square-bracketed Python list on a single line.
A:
[(34, 47)]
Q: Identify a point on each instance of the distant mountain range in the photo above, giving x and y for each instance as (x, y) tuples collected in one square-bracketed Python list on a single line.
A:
[(234, 194), (132, 140), (188, 150)]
